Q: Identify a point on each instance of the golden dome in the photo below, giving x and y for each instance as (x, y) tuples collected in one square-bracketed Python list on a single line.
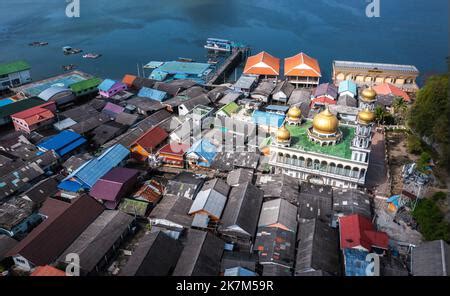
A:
[(369, 94), (283, 134), (294, 112), (366, 116), (325, 122)]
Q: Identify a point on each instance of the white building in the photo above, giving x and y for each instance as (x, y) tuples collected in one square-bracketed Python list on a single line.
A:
[(14, 74), (322, 151)]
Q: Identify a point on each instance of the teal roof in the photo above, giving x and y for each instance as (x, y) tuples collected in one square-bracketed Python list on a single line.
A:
[(348, 85), (13, 67), (267, 119)]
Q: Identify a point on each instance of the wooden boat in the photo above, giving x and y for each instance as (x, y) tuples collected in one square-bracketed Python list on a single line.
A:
[(68, 67), (70, 50), (187, 60), (91, 56), (38, 43)]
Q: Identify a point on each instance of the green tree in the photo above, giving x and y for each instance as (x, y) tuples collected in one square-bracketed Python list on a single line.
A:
[(414, 144), (431, 221), (380, 114), (400, 108), (429, 114)]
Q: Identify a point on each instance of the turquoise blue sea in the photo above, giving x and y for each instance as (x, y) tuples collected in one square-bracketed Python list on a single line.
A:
[(130, 32)]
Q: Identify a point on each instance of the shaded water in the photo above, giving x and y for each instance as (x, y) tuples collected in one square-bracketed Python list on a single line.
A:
[(131, 32)]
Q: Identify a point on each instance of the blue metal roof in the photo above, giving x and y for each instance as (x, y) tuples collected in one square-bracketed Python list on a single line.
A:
[(69, 186), (106, 85), (96, 168), (348, 85), (62, 143), (153, 94), (268, 119), (355, 262), (52, 91), (277, 108), (204, 149), (5, 102), (238, 271)]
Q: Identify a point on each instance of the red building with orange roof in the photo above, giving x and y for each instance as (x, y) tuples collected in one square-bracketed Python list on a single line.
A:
[(386, 89), (302, 70), (146, 145), (34, 118), (173, 154), (263, 64)]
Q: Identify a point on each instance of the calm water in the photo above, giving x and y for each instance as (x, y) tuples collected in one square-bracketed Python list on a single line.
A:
[(129, 32)]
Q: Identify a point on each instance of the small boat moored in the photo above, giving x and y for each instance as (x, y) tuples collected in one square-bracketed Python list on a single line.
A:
[(38, 43), (68, 67), (187, 60), (219, 44), (70, 50), (91, 56)]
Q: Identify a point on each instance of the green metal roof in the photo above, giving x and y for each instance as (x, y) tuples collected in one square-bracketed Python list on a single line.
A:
[(230, 108), (19, 106), (13, 67), (85, 84), (300, 140)]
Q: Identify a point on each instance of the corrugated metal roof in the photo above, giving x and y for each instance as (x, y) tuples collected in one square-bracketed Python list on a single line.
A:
[(50, 92), (204, 149), (63, 143), (13, 67), (153, 94), (268, 119), (348, 85), (106, 84)]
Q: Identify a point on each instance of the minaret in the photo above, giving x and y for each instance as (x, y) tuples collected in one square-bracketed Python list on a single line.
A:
[(368, 99), (283, 137), (363, 135)]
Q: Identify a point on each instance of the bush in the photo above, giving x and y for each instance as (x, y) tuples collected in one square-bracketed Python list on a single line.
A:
[(431, 221), (439, 196), (414, 144)]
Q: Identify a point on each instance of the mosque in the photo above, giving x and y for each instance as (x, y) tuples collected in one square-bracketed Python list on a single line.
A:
[(323, 151)]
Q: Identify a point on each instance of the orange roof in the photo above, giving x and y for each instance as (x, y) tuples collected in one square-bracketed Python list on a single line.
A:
[(129, 79), (47, 270), (262, 64), (301, 65), (35, 114), (389, 89)]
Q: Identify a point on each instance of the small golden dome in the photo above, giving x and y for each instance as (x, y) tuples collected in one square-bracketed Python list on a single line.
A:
[(325, 122), (366, 116), (369, 94), (283, 134), (294, 112)]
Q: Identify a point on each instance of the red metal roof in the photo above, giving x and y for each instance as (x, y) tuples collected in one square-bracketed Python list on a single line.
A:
[(389, 89), (47, 270), (35, 114), (323, 101), (152, 138), (175, 148), (358, 231)]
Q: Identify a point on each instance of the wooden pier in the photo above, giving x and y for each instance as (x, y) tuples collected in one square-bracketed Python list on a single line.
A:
[(219, 76)]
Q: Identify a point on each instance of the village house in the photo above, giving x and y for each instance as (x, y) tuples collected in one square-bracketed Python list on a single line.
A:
[(317, 250), (201, 255), (263, 65), (302, 70), (173, 154), (278, 213), (14, 74), (86, 175), (201, 154), (34, 118), (109, 88), (148, 143), (48, 240), (282, 91), (114, 185), (57, 94), (241, 214), (211, 200), (98, 244), (156, 255), (358, 232), (63, 144)]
